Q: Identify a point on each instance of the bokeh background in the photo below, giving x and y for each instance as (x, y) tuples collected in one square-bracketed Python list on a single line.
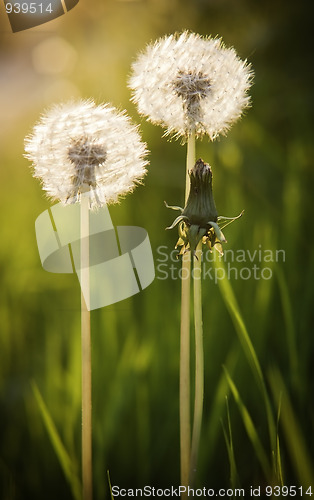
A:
[(264, 166)]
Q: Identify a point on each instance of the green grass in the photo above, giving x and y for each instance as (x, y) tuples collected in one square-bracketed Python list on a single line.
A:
[(68, 467)]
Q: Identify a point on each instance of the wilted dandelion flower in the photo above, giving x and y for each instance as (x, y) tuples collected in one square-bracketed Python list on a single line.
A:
[(199, 219), (188, 83), (78, 147)]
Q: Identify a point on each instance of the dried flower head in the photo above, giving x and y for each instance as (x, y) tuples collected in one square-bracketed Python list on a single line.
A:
[(199, 219), (188, 83), (78, 147)]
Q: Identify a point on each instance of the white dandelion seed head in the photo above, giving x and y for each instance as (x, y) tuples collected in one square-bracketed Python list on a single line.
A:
[(78, 147), (188, 83)]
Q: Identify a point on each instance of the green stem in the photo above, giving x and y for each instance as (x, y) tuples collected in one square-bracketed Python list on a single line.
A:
[(199, 361), (185, 425), (190, 161), (86, 354)]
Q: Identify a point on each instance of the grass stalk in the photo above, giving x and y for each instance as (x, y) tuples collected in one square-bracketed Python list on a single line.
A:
[(185, 425), (66, 461), (86, 355), (199, 361), (251, 430), (234, 477), (291, 334), (295, 438), (248, 348)]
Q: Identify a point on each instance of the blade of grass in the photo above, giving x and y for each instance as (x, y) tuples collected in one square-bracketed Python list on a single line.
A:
[(290, 329), (110, 487), (299, 454), (248, 348), (63, 456), (279, 473), (233, 308), (234, 476), (250, 429), (222, 390)]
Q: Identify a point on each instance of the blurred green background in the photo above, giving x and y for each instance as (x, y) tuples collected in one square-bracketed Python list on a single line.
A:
[(264, 166)]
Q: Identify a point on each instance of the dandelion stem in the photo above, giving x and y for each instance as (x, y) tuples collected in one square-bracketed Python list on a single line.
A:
[(190, 161), (199, 361), (185, 425), (86, 354)]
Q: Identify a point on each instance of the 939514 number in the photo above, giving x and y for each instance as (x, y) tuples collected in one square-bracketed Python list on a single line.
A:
[(27, 8), (288, 491)]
